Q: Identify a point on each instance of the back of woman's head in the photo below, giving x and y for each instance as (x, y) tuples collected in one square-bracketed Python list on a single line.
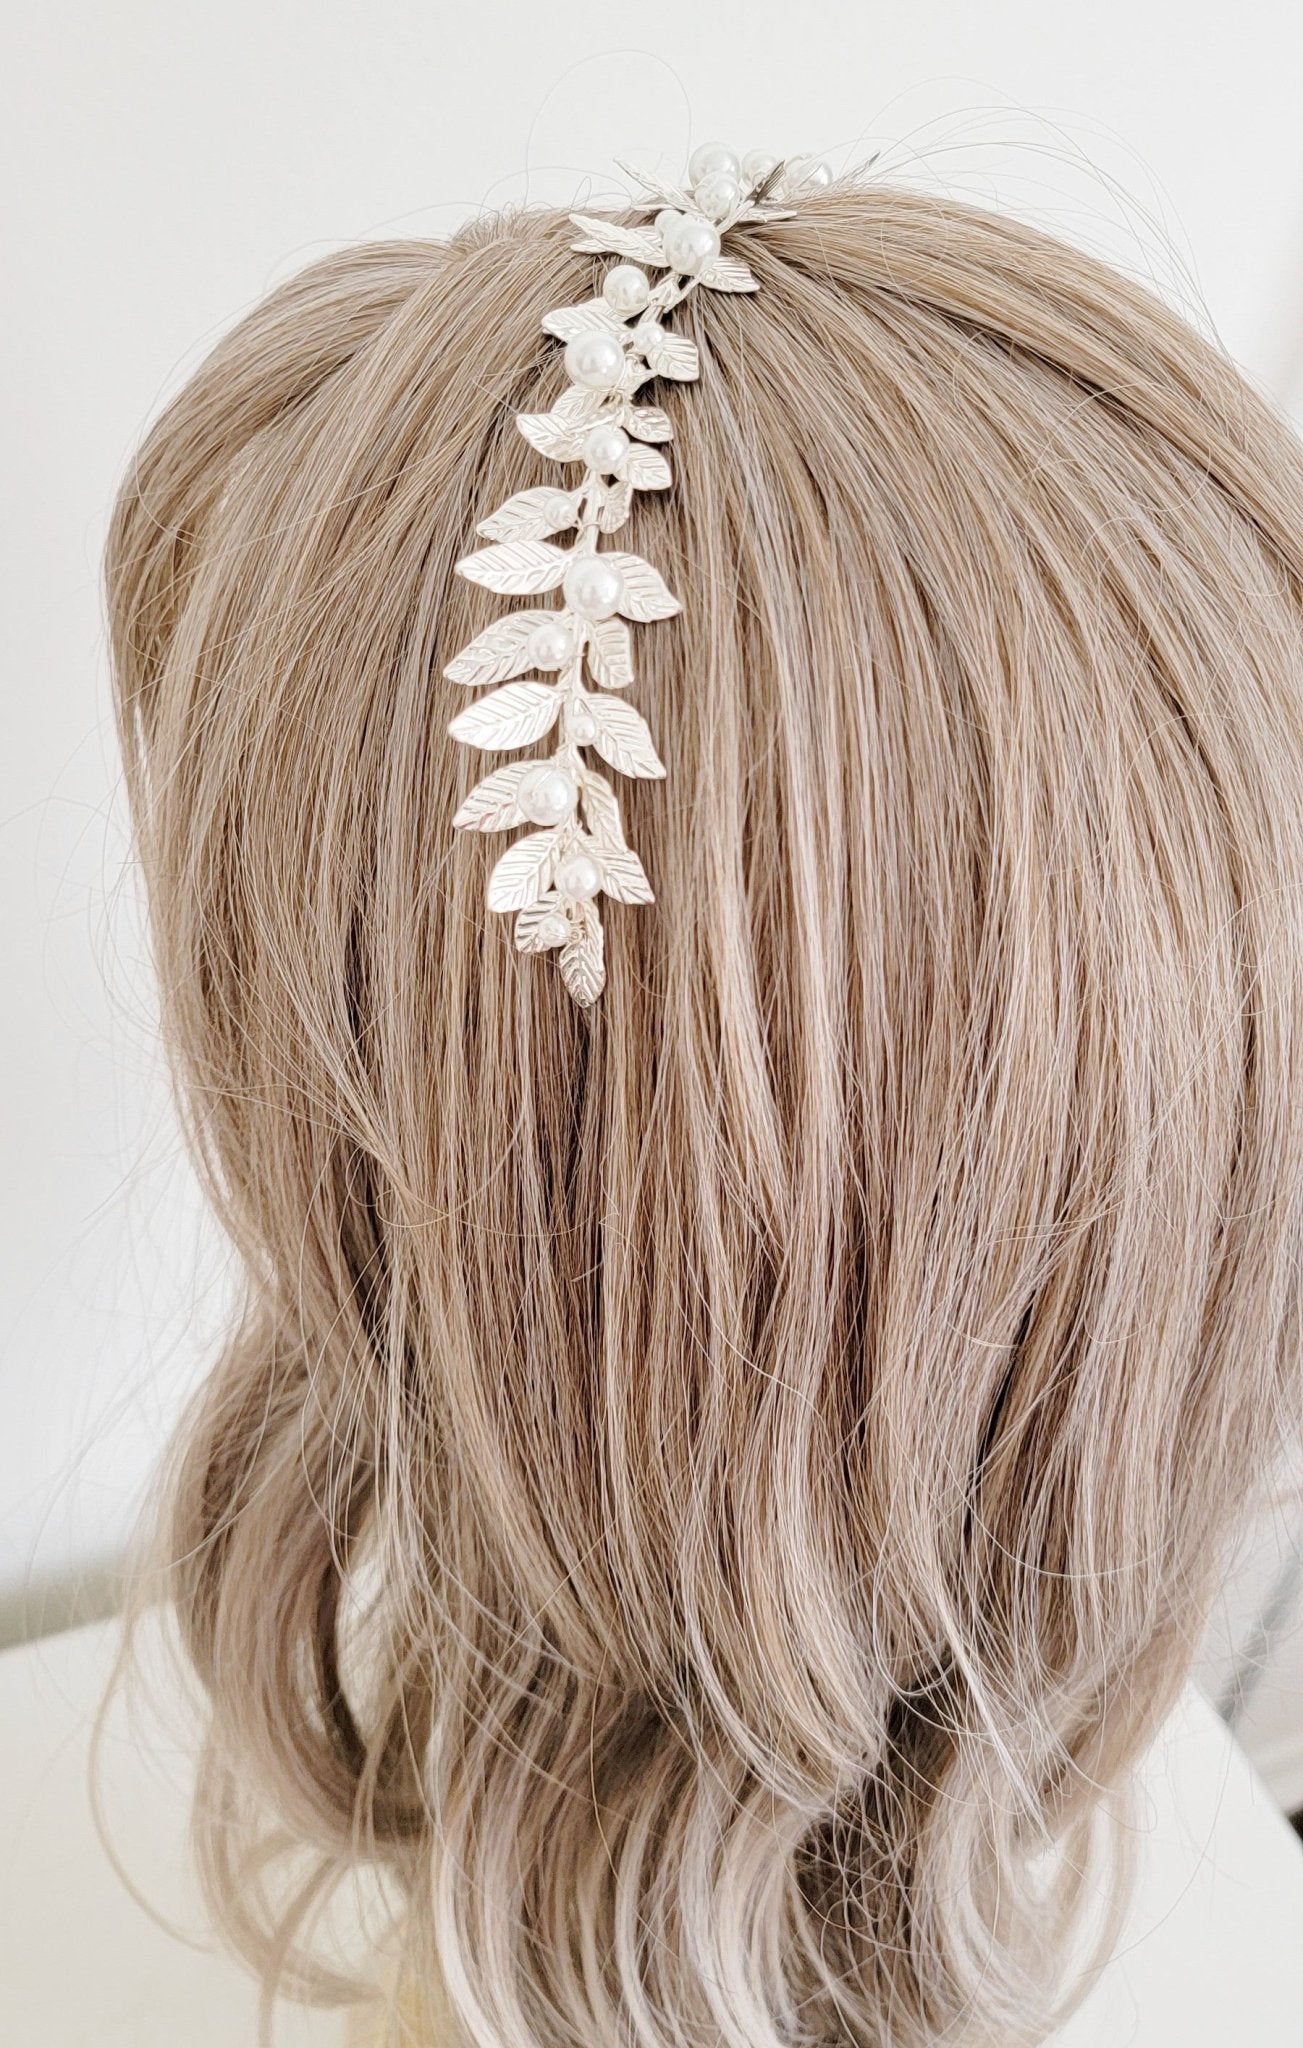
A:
[(705, 1489)]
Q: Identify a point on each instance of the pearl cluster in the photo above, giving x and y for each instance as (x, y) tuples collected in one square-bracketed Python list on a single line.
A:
[(612, 345)]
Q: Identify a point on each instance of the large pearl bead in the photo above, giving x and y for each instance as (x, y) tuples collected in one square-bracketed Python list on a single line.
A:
[(593, 587), (691, 244), (717, 195), (547, 794), (604, 449), (711, 156), (595, 360), (757, 165), (626, 289), (666, 218), (578, 878), (551, 644)]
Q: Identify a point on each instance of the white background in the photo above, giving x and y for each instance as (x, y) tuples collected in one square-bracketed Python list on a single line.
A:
[(162, 166)]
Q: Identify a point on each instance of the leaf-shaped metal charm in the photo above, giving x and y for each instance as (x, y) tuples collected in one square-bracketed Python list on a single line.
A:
[(647, 423), (524, 872), (668, 355), (578, 407), (727, 274), (602, 810), (510, 717), (622, 739), (516, 568), (610, 654), (551, 436), (582, 959), (501, 650), (532, 515), (599, 237), (568, 321), (616, 504), (645, 594), (494, 804), (623, 875), (646, 468)]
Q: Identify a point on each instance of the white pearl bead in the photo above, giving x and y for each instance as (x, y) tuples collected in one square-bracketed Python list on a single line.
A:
[(711, 156), (604, 449), (581, 726), (626, 289), (593, 587), (551, 644), (578, 878), (717, 195), (595, 360), (757, 165), (666, 218), (691, 244), (554, 929), (807, 174), (547, 794)]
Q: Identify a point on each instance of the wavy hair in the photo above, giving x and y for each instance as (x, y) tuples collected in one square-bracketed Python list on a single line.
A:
[(712, 1495)]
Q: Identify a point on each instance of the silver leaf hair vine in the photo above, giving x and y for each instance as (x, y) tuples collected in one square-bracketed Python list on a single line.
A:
[(551, 878)]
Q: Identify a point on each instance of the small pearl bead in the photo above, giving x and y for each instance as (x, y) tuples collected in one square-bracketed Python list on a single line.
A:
[(595, 360), (712, 156), (807, 174), (593, 587), (605, 448), (547, 794), (578, 878), (666, 218), (626, 289), (554, 929), (691, 244), (551, 644), (757, 165), (717, 195), (581, 726)]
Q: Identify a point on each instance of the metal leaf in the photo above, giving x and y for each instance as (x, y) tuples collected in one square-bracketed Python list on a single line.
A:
[(602, 810), (728, 274), (610, 654), (622, 739), (578, 407), (501, 650), (617, 500), (532, 515), (524, 872), (510, 717), (623, 875), (648, 423), (582, 959), (646, 469), (550, 435), (645, 594), (599, 237), (568, 321), (516, 568), (493, 805), (669, 355)]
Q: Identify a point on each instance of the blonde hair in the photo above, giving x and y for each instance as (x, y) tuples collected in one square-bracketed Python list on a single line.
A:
[(705, 1492)]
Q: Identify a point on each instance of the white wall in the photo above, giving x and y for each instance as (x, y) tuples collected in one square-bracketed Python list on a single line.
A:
[(162, 165)]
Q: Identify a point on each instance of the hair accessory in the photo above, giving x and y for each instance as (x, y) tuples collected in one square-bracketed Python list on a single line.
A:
[(551, 878)]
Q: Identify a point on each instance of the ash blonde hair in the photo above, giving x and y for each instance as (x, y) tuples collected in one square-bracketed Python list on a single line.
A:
[(705, 1492)]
